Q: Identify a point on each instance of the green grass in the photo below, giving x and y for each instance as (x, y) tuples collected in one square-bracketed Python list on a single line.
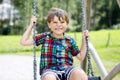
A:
[(10, 44), (108, 54)]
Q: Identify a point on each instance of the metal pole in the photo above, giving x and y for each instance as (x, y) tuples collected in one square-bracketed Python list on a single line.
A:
[(114, 71), (88, 5), (97, 60)]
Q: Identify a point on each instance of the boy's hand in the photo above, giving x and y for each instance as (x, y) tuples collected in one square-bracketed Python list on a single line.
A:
[(33, 20), (85, 33)]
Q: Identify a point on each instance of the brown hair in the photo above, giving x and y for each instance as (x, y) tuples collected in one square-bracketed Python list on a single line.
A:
[(60, 13)]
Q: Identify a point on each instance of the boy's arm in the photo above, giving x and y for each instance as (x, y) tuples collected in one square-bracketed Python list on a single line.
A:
[(83, 48), (26, 40)]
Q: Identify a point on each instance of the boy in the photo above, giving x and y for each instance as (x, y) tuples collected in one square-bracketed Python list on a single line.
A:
[(56, 62)]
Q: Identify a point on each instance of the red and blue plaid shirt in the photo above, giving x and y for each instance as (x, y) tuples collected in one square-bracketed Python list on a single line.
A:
[(56, 54)]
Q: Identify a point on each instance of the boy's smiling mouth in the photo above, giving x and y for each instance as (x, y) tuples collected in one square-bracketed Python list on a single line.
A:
[(58, 29)]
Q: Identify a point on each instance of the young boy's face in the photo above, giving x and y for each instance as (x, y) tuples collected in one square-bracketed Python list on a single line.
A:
[(58, 26)]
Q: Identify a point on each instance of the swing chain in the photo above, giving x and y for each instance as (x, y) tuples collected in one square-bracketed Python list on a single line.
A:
[(34, 48), (84, 25), (34, 8), (90, 69), (83, 15)]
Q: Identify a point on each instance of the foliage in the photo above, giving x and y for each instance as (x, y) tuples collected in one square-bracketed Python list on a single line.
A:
[(1, 1), (4, 27), (104, 14)]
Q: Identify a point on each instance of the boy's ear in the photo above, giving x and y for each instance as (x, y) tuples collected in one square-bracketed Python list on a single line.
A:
[(48, 24)]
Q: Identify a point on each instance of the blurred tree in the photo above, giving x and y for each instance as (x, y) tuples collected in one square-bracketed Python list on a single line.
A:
[(1, 1), (25, 12), (104, 13)]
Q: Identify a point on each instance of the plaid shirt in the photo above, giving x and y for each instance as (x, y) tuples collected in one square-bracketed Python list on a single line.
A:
[(56, 54)]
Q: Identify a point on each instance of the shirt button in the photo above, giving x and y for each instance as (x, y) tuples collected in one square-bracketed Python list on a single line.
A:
[(57, 47)]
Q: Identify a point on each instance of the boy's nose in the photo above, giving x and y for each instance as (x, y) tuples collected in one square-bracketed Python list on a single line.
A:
[(59, 24)]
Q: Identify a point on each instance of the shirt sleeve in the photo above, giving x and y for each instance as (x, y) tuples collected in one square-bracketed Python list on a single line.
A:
[(74, 48), (40, 38)]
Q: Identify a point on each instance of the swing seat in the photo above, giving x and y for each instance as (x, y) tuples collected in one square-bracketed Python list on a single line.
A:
[(94, 78)]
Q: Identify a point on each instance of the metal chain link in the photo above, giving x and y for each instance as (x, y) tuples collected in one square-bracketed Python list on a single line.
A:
[(90, 69), (34, 48), (84, 25), (83, 15), (34, 7)]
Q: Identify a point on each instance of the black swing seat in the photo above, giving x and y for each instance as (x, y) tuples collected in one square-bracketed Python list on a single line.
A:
[(94, 78)]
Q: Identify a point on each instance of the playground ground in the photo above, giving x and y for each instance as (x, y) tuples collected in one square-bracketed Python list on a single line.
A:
[(13, 67)]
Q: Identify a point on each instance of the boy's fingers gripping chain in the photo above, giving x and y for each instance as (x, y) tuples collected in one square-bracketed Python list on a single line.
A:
[(86, 33), (34, 20)]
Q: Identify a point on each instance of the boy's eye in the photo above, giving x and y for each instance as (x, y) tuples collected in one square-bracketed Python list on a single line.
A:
[(54, 22), (58, 22), (62, 22)]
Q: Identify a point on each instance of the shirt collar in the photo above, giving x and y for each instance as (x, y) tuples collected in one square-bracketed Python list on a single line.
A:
[(64, 37)]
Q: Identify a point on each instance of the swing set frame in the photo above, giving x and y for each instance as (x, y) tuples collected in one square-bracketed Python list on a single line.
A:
[(105, 75)]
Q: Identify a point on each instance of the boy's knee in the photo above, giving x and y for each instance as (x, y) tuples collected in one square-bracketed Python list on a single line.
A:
[(79, 74), (49, 77), (79, 71)]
